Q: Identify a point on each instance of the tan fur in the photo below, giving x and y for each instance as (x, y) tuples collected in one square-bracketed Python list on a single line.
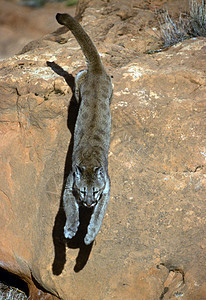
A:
[(88, 183)]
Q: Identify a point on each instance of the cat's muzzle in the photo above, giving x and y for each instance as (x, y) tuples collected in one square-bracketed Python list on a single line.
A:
[(89, 205)]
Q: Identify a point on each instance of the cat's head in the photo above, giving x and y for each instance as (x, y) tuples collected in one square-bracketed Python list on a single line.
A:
[(89, 184)]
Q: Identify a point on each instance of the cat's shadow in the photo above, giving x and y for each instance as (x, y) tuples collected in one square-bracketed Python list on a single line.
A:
[(60, 243)]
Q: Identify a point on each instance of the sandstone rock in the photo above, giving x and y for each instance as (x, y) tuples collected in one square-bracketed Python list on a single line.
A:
[(20, 25), (155, 222)]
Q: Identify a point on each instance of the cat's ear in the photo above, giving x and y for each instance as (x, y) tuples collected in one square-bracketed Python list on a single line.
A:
[(99, 172), (78, 171)]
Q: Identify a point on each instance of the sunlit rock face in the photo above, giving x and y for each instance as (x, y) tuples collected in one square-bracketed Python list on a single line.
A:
[(151, 243)]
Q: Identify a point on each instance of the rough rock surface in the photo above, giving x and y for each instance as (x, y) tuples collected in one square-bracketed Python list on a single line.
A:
[(20, 25), (152, 242)]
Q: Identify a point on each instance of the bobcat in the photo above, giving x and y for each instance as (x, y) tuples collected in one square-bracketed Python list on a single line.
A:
[(88, 183)]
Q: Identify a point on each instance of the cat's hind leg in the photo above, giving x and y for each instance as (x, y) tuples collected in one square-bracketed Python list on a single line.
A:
[(79, 79)]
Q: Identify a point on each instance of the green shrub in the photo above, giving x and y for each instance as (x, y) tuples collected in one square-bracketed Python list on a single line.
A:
[(71, 2)]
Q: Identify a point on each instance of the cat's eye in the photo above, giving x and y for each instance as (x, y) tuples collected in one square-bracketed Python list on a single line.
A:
[(95, 192), (83, 192)]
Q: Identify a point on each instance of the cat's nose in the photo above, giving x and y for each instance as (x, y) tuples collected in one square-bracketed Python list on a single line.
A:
[(89, 200), (90, 203)]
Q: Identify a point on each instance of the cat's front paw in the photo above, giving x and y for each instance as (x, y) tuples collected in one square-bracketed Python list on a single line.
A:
[(89, 237), (70, 230)]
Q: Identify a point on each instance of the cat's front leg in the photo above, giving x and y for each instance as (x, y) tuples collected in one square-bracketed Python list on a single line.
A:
[(96, 219), (71, 209)]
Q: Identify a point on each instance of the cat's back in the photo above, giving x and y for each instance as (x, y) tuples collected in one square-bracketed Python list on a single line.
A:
[(93, 125)]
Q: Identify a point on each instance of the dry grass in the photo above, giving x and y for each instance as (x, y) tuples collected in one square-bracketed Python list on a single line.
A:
[(11, 293), (188, 25), (172, 31), (12, 287), (198, 17)]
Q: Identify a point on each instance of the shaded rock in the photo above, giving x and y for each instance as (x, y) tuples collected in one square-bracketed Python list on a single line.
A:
[(155, 222)]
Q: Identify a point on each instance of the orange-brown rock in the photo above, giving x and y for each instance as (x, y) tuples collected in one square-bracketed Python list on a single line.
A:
[(20, 25), (152, 241)]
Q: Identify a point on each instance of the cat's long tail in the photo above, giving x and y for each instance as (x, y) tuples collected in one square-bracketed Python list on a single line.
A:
[(92, 56)]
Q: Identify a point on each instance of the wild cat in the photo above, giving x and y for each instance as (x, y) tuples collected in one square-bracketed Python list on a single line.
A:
[(88, 182)]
